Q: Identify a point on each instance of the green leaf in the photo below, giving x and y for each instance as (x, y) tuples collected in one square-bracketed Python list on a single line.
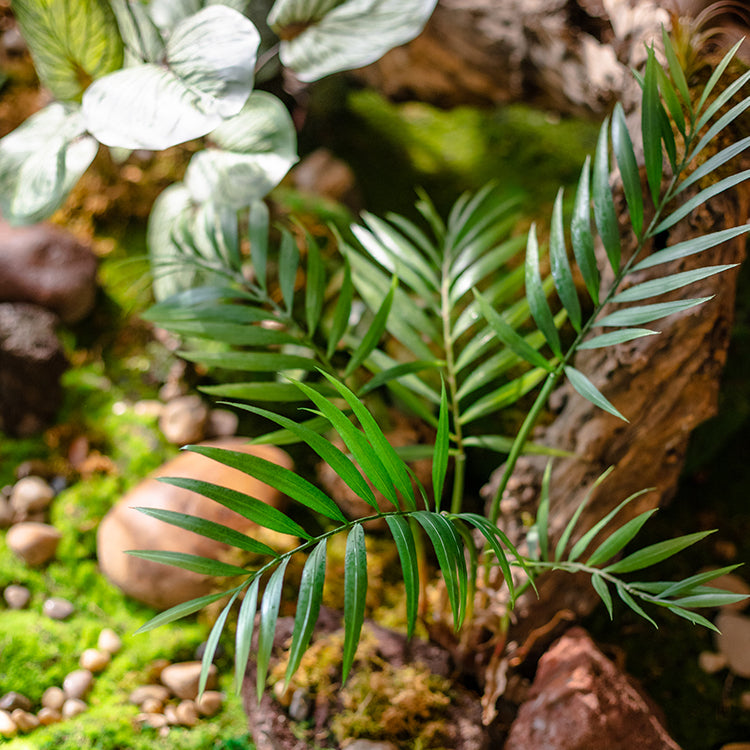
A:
[(212, 642), (504, 443), (655, 553), (560, 267), (257, 231), (449, 551), (504, 395), (618, 539), (694, 617), (700, 199), (717, 160), (535, 293), (287, 437), (335, 458), (235, 334), (562, 542), (616, 337), (581, 237), (680, 587), (396, 372), (726, 94), (631, 181), (355, 595), (375, 331), (71, 44), (604, 206), (140, 35), (635, 316), (442, 448), (314, 286), (308, 606), (278, 477), (691, 247), (717, 72), (407, 553), (268, 391), (249, 507), (269, 613), (320, 37), (251, 361), (342, 312), (288, 265), (667, 136), (194, 563), (542, 514), (671, 99), (209, 529), (675, 69), (601, 588), (206, 76), (509, 337), (183, 610), (668, 283), (244, 635), (590, 392), (625, 596), (715, 599), (651, 127)]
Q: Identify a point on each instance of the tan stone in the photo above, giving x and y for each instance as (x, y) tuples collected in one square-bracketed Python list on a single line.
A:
[(49, 716), (183, 678), (109, 641), (24, 720), (209, 704), (72, 707), (31, 494), (144, 693), (34, 543), (732, 582), (77, 683), (53, 697), (8, 727), (155, 721), (187, 713), (152, 706), (94, 659), (124, 528)]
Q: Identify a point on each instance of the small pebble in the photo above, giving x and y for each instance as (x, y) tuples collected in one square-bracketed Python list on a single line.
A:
[(53, 698), (16, 597), (170, 714), (299, 708), (13, 700), (184, 419), (57, 608), (152, 706), (187, 713), (31, 494), (94, 660), (25, 721), (72, 707), (49, 716), (222, 423), (35, 543), (209, 704), (77, 684), (283, 694), (711, 662), (155, 721), (734, 641), (8, 727), (155, 668), (149, 692), (109, 641), (182, 679)]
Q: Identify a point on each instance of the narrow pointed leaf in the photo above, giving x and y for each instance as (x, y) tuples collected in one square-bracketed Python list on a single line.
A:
[(449, 552), (616, 337), (560, 267), (601, 588), (287, 437), (209, 529), (244, 635), (535, 292), (635, 316), (442, 447), (709, 137), (268, 391), (581, 237), (618, 539), (407, 553), (625, 596), (249, 507), (182, 610), (355, 595), (675, 69), (504, 396), (261, 361), (542, 514), (314, 286), (232, 333), (651, 127), (269, 613), (288, 266), (212, 642), (717, 160), (717, 72), (504, 444), (671, 99), (396, 372), (725, 95), (342, 312), (631, 181), (308, 606), (715, 599), (667, 136), (194, 563), (258, 235), (694, 617), (680, 587), (590, 392), (276, 476), (604, 206), (668, 283), (655, 553)]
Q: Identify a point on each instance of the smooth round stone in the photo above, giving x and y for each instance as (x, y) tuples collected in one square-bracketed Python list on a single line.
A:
[(95, 660), (299, 707), (35, 543), (155, 721), (152, 706), (77, 684), (72, 707), (49, 716), (16, 597), (170, 714), (209, 704), (183, 420), (8, 727), (734, 641), (57, 608), (25, 721), (144, 693), (183, 678), (222, 423), (187, 713), (31, 494), (711, 662), (109, 641), (53, 697), (13, 700)]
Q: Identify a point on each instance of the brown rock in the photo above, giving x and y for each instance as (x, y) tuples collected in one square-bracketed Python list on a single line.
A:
[(31, 494), (145, 693), (123, 528), (8, 727), (94, 659), (47, 266), (187, 713), (34, 543), (152, 706), (579, 700), (734, 641), (77, 683), (183, 420), (25, 721), (72, 707), (54, 698), (57, 608), (182, 679), (109, 641), (16, 597), (12, 701), (732, 582), (209, 704), (221, 423), (49, 716)]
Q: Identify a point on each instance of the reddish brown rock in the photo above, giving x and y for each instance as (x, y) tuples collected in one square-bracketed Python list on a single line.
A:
[(34, 543), (579, 701), (124, 528)]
